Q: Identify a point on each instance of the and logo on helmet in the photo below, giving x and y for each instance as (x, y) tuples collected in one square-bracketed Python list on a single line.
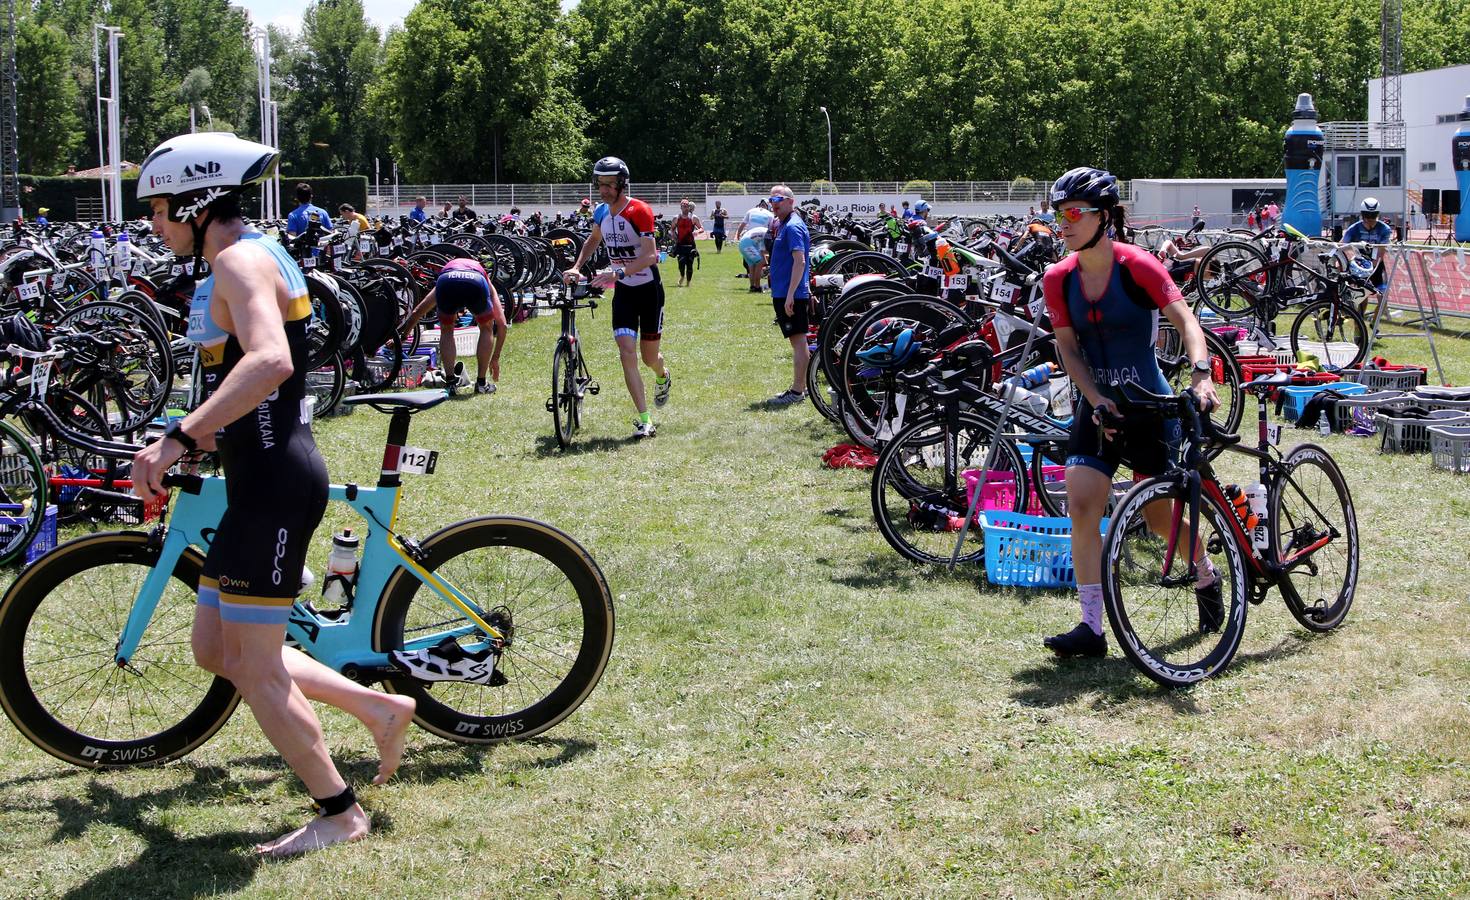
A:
[(194, 172)]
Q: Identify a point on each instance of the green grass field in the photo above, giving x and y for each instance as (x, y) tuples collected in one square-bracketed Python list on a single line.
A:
[(791, 709)]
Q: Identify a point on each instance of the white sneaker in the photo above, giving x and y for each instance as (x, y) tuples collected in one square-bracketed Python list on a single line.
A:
[(460, 379), (643, 429), (487, 387), (661, 390)]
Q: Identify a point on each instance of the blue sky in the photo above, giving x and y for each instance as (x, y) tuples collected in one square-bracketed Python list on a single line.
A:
[(287, 13)]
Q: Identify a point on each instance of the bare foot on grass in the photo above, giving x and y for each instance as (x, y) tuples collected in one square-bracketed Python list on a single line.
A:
[(323, 831), (389, 726)]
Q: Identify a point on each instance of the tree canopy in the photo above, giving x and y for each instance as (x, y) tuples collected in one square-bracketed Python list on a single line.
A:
[(518, 90)]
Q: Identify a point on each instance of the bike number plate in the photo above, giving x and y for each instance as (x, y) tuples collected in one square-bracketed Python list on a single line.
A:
[(365, 246), (1004, 292), (418, 461), (1038, 306), (903, 247), (41, 377), (1273, 434), (958, 282), (30, 290), (58, 281), (309, 263), (933, 272)]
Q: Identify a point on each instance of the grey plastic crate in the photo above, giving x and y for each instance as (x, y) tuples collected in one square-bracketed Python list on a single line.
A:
[(1411, 435), (1376, 401), (1378, 379), (1449, 447)]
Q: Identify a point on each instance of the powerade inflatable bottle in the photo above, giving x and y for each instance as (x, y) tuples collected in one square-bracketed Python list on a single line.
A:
[(1460, 155), (1303, 163)]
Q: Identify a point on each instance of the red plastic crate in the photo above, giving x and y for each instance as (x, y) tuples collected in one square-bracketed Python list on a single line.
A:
[(134, 514)]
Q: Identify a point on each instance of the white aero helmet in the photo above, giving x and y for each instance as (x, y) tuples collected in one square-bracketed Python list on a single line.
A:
[(194, 170), (1370, 205)]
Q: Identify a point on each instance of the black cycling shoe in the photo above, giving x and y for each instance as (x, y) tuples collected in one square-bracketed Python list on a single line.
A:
[(1080, 641), (1211, 607)]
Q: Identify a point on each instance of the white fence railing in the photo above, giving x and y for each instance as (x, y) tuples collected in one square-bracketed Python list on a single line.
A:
[(549, 197)]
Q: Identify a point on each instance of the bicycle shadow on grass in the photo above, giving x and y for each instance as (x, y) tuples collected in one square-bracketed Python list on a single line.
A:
[(1114, 679), (892, 570), (170, 865), (546, 445)]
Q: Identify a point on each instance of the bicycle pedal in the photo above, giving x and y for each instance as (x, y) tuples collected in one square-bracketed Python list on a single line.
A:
[(594, 388), (551, 404)]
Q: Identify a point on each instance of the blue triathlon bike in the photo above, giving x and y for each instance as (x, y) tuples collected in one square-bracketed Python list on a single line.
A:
[(514, 616)]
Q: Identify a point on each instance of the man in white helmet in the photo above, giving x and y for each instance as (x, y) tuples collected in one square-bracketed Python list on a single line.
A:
[(249, 321), (1369, 229)]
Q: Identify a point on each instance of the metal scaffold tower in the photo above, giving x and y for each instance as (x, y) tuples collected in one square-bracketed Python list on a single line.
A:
[(9, 131), (1391, 61)]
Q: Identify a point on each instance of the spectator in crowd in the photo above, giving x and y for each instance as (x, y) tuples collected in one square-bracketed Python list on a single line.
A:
[(447, 211), (299, 218), (1197, 216), (418, 213), (1030, 212), (351, 216), (790, 262), (41, 219), (1046, 215), (907, 213), (1273, 212), (464, 213)]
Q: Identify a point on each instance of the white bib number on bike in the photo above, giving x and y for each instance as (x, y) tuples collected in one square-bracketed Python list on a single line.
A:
[(933, 272), (1273, 434), (958, 282), (903, 247), (1038, 306), (40, 377), (58, 281), (1004, 292), (30, 290), (309, 263), (417, 461), (365, 246)]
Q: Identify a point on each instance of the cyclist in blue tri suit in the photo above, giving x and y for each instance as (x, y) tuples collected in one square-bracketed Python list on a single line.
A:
[(249, 321), (1105, 300), (1369, 230)]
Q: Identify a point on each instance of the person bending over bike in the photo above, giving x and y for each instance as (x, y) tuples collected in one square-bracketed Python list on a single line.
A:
[(625, 226), (1104, 301), (249, 321), (463, 284)]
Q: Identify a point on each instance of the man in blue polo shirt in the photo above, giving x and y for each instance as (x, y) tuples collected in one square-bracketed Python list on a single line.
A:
[(300, 217), (790, 278), (418, 213)]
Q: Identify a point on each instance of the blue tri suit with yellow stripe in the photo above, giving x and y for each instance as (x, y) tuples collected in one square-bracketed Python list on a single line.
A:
[(275, 480)]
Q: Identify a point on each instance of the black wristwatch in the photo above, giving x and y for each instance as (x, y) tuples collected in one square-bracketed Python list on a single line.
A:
[(176, 431), (1202, 367)]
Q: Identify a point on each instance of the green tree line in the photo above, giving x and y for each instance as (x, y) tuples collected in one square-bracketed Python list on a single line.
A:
[(518, 90)]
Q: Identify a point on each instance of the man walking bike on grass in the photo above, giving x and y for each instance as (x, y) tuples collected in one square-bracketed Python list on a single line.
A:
[(249, 320), (626, 227)]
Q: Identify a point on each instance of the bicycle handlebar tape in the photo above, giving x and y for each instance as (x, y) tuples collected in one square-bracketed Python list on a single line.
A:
[(1460, 154), (1303, 162)]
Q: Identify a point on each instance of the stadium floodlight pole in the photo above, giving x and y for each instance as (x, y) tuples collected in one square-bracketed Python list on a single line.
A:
[(829, 142)]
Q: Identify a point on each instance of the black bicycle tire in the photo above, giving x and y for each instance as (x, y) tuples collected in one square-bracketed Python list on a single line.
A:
[(18, 695), (1348, 313), (15, 447), (1203, 281), (1344, 600), (563, 421), (891, 458), (1129, 641), (594, 649)]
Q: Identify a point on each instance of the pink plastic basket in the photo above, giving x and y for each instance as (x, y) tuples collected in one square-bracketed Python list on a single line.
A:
[(999, 490)]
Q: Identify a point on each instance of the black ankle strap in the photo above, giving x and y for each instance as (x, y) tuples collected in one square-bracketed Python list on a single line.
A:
[(333, 806)]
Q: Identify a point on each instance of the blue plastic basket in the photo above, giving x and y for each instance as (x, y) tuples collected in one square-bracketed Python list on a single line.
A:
[(1295, 398), (45, 538), (1029, 551)]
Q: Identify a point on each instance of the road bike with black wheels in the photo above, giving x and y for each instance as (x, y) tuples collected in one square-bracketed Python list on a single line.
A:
[(1160, 536), (570, 380), (95, 665)]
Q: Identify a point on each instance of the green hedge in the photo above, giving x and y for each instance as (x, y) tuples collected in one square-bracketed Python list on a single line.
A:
[(60, 194), (730, 188), (919, 186)]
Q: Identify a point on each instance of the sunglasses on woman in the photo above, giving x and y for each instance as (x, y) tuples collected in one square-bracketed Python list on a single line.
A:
[(1074, 213)]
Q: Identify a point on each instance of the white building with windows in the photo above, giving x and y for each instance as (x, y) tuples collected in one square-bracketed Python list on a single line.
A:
[(1432, 102)]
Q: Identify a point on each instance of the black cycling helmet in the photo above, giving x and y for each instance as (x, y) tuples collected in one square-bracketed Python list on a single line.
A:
[(1096, 187), (611, 165)]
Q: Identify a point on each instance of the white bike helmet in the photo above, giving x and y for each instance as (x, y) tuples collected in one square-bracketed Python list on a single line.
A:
[(1369, 205), (194, 170)]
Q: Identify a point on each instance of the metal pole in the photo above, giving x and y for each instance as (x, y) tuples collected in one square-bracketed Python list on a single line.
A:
[(101, 126), (114, 127), (829, 142)]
